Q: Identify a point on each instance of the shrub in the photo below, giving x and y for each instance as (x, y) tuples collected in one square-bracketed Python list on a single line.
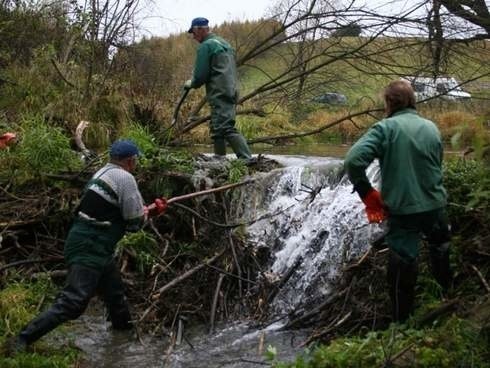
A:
[(41, 149), (141, 136), (144, 246), (468, 189)]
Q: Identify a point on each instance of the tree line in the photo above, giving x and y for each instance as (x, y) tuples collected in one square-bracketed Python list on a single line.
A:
[(72, 61)]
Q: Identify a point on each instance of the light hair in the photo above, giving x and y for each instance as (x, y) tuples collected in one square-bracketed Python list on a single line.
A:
[(201, 27), (398, 95)]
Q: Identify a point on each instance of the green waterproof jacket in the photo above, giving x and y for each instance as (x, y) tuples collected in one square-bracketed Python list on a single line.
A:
[(410, 152), (215, 67)]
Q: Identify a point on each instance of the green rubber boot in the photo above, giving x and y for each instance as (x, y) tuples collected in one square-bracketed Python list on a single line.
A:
[(219, 147), (239, 146)]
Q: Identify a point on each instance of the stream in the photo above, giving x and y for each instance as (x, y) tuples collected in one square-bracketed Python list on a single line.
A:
[(317, 226), (239, 344)]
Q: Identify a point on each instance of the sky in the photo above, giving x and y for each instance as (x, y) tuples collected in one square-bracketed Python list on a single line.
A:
[(174, 16), (164, 17)]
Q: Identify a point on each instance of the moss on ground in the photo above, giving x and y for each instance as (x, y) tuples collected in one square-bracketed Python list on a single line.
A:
[(19, 303)]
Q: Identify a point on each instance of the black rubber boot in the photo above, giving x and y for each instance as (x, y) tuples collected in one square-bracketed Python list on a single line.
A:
[(111, 288), (402, 277), (439, 259), (38, 327), (120, 318), (219, 146), (81, 284)]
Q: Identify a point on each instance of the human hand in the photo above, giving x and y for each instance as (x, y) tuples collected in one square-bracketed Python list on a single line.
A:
[(187, 84), (375, 208), (158, 207)]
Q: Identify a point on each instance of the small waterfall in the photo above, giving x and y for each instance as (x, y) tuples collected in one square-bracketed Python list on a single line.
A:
[(313, 225)]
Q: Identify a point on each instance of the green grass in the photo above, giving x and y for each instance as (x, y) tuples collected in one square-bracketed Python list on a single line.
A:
[(41, 149), (19, 303), (453, 343), (363, 74)]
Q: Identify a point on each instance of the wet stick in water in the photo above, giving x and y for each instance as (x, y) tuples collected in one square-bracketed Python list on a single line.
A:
[(215, 303)]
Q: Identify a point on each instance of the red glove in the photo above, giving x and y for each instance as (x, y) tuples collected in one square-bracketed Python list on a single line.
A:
[(7, 139), (160, 205), (375, 208), (156, 208)]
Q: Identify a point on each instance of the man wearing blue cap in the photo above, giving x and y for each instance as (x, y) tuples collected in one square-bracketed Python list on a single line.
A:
[(111, 204), (215, 67)]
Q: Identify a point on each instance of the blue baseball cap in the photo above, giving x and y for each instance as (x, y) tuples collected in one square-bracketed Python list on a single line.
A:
[(124, 148), (198, 22)]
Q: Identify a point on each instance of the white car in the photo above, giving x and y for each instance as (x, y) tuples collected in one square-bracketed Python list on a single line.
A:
[(446, 88)]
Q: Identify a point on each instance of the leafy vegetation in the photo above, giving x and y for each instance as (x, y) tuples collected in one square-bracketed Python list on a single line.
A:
[(453, 343), (236, 171), (52, 70), (42, 149), (467, 183), (143, 245), (26, 298)]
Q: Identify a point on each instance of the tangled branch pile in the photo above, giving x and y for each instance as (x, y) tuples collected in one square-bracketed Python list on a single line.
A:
[(189, 264)]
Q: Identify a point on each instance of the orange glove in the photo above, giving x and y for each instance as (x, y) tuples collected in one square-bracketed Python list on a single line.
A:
[(375, 208)]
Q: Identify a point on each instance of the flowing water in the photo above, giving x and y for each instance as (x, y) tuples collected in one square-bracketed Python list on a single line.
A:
[(318, 225), (235, 345), (311, 224)]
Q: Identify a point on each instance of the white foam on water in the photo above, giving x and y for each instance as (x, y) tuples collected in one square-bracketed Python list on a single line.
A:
[(316, 235)]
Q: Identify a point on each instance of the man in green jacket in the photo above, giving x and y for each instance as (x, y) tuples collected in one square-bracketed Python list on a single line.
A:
[(215, 67), (111, 205), (413, 199)]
